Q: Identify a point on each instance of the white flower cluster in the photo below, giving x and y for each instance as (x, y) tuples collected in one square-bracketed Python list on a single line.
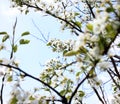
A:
[(19, 96), (116, 99), (53, 63), (4, 69), (60, 46), (104, 30), (54, 75), (52, 71)]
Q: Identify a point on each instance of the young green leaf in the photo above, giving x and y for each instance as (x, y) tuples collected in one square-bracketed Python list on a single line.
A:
[(48, 44), (5, 38), (76, 13), (63, 92), (90, 27), (31, 98), (70, 53), (78, 23), (3, 33), (25, 33), (110, 9), (15, 48), (118, 45), (9, 79), (78, 74), (23, 41), (14, 100), (81, 93)]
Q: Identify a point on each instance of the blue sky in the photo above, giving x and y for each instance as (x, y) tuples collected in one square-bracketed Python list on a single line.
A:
[(36, 50), (29, 56)]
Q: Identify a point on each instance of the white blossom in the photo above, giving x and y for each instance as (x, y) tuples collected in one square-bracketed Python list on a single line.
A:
[(99, 23), (95, 52), (116, 98), (104, 64), (2, 70)]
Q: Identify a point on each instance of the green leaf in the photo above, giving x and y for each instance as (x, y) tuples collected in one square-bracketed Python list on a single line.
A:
[(110, 9), (15, 48), (5, 38), (23, 41), (78, 74), (9, 79), (82, 50), (90, 27), (109, 27), (49, 44), (14, 100), (25, 33), (31, 98), (118, 45), (63, 92), (70, 53), (76, 13), (3, 33), (47, 89), (102, 44), (27, 11), (81, 93), (78, 23)]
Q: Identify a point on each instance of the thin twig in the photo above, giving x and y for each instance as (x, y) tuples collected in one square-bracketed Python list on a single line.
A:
[(116, 70), (64, 67), (12, 45), (91, 10), (113, 80), (98, 95), (2, 87), (103, 95), (44, 38)]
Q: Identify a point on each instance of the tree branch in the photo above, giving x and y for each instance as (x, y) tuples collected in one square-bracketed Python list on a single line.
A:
[(53, 15), (67, 65), (117, 85), (64, 100), (91, 10), (13, 43), (103, 95), (114, 65), (76, 89), (2, 87), (98, 95)]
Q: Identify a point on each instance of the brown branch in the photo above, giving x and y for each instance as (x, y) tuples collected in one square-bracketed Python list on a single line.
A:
[(76, 89), (53, 100), (53, 15), (64, 100), (112, 72), (117, 85), (116, 56), (2, 87), (67, 65), (103, 95), (114, 65), (98, 95), (91, 9)]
